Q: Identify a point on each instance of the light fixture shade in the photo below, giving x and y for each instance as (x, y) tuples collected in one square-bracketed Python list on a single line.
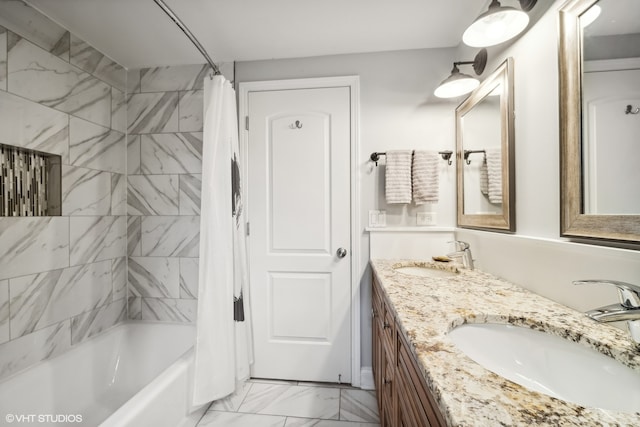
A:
[(455, 85), (590, 16), (498, 24)]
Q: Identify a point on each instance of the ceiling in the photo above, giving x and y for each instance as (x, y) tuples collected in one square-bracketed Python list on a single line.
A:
[(137, 33)]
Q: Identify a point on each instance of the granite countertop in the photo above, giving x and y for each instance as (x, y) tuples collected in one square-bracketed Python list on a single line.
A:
[(468, 394)]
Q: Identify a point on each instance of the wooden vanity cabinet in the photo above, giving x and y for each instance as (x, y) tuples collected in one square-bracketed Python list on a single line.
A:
[(403, 396)]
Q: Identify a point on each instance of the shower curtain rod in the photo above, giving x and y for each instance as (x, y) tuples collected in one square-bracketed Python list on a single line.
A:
[(189, 34)]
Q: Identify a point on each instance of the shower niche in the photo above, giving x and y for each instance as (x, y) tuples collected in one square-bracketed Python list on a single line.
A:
[(29, 182)]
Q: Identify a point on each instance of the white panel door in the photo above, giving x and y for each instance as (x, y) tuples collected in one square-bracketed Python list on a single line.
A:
[(299, 214), (611, 172)]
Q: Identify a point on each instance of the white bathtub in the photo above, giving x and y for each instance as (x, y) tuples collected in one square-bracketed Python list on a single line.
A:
[(136, 374)]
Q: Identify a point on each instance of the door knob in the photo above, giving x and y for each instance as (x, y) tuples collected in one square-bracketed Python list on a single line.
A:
[(341, 252)]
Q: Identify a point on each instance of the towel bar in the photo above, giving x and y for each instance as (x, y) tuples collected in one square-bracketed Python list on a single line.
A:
[(446, 156)]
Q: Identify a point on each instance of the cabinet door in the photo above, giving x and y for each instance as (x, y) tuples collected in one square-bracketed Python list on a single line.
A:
[(405, 414), (387, 390), (420, 401)]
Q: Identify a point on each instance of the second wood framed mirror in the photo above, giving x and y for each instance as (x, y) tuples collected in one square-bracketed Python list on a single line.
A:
[(485, 153), (599, 65)]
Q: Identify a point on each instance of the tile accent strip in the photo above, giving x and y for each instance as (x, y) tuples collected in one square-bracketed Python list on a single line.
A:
[(27, 183)]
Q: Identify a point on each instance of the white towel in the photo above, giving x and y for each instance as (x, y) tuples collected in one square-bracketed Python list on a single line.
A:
[(398, 177), (424, 172), (494, 174)]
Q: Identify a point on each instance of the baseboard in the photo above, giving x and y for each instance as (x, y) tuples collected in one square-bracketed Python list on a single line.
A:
[(366, 378)]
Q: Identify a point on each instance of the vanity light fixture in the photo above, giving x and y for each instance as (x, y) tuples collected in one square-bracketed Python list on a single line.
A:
[(459, 83), (590, 15), (498, 24)]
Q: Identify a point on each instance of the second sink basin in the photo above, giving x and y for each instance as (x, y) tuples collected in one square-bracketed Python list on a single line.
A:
[(551, 365), (425, 270)]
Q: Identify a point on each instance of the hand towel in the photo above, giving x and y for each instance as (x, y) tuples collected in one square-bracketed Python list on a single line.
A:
[(494, 174), (424, 173), (484, 177), (398, 176)]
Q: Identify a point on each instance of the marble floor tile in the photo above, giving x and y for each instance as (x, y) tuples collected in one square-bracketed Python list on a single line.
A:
[(232, 403), (358, 405), (306, 422), (234, 419), (274, 382), (295, 401)]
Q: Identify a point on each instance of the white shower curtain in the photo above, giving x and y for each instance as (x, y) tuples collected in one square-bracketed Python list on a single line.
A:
[(223, 350)]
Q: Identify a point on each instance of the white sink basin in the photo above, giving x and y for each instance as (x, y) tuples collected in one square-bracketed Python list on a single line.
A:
[(423, 271), (551, 365)]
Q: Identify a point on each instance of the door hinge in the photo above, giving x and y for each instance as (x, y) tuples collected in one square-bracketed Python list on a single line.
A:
[(248, 229), (246, 122)]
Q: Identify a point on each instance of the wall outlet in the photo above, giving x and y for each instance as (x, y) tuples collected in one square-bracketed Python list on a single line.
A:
[(377, 218), (426, 218)]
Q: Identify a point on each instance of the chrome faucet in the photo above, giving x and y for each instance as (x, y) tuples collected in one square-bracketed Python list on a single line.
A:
[(627, 310), (463, 250)]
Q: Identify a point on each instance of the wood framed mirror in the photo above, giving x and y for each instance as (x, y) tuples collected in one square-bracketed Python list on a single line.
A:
[(599, 177), (485, 153)]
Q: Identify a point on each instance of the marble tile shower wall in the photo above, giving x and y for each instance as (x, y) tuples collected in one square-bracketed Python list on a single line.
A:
[(164, 165), (62, 278)]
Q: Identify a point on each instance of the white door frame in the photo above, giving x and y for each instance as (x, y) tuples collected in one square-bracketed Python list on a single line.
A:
[(353, 82)]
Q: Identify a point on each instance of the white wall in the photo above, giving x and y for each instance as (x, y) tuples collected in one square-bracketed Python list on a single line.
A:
[(536, 257), (398, 111)]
